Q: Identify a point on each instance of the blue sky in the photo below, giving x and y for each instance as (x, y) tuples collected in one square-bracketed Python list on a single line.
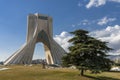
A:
[(100, 17)]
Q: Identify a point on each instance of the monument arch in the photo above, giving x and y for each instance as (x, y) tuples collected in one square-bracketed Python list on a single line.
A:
[(39, 30)]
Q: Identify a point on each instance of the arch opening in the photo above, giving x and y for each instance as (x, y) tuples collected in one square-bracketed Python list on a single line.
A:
[(39, 52)]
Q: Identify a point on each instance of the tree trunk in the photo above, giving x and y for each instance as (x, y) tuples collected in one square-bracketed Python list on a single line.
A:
[(82, 72)]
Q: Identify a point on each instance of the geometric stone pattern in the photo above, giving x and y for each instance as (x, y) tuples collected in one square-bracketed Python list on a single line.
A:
[(39, 30)]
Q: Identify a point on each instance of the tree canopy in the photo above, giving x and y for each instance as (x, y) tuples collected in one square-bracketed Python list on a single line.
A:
[(87, 52)]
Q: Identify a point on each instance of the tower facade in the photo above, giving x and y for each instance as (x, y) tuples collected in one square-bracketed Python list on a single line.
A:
[(39, 30)]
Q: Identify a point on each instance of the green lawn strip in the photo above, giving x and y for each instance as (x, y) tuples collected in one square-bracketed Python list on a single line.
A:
[(35, 72)]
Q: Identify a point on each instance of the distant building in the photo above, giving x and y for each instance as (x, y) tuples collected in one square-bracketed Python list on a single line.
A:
[(38, 61)]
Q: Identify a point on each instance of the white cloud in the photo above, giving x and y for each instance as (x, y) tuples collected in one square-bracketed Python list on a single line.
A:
[(84, 22), (112, 35), (62, 40), (97, 3), (105, 20)]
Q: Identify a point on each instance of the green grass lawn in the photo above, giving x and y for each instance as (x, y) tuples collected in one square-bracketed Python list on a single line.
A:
[(37, 73)]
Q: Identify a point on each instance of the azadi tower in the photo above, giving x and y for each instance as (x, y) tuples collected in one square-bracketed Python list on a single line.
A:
[(39, 30)]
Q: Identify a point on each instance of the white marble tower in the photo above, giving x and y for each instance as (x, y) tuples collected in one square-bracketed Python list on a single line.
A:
[(39, 30)]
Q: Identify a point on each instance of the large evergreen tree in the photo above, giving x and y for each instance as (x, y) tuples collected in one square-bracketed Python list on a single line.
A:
[(87, 53)]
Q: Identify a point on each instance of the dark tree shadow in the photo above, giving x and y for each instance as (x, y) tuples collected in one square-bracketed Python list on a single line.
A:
[(100, 78)]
